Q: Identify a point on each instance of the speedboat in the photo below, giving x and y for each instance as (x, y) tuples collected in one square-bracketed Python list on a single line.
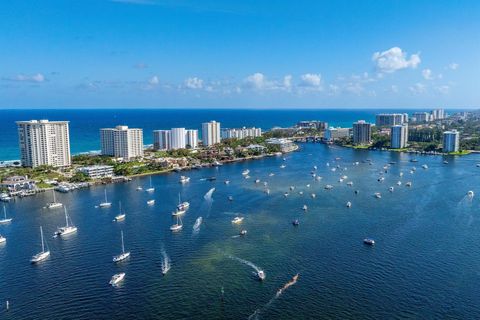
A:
[(413, 160), (349, 204), (122, 256), (184, 179), (328, 187), (245, 172), (285, 194), (227, 181), (213, 178), (139, 188), (350, 183), (377, 195), (271, 174), (261, 275), (308, 185), (313, 195), (318, 178), (424, 166), (283, 166), (369, 241), (119, 217), (381, 179), (247, 177), (117, 278), (295, 222), (151, 202), (2, 239), (257, 180), (357, 191), (237, 220), (300, 192), (243, 232), (304, 208)]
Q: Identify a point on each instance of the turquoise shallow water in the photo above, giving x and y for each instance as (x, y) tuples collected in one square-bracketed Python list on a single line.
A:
[(425, 264)]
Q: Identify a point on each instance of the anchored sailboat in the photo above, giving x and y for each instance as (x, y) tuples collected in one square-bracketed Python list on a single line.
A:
[(177, 226), (68, 229), (54, 204), (122, 256), (105, 204), (121, 215), (151, 188), (5, 220), (44, 254)]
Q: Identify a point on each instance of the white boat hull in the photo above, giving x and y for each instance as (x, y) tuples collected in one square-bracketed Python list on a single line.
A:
[(40, 257), (121, 257)]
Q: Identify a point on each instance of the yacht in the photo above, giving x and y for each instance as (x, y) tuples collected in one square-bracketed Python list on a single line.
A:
[(117, 278), (68, 229), (261, 275), (245, 172), (184, 179), (243, 232), (54, 204), (369, 241), (349, 204), (177, 226), (122, 256), (377, 195), (121, 215), (42, 255), (105, 204), (237, 220), (2, 239), (151, 188), (5, 197), (5, 220), (151, 202)]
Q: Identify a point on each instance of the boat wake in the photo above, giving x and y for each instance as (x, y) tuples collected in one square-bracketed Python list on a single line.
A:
[(248, 263), (196, 226), (208, 195), (256, 314), (165, 262)]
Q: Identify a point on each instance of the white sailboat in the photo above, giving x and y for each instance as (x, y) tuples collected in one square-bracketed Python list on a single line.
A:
[(177, 226), (2, 239), (105, 204), (54, 204), (68, 229), (122, 256), (44, 254), (117, 278), (121, 215), (151, 188), (5, 220), (182, 207)]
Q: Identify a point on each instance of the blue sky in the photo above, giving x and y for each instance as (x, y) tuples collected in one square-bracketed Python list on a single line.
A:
[(256, 54)]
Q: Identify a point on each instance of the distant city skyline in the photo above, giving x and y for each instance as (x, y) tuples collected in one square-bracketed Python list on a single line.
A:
[(248, 54)]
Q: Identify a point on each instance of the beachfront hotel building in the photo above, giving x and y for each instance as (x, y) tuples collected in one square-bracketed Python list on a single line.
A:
[(422, 116), (451, 141), (390, 119), (438, 114), (399, 136), (44, 142), (161, 139), (122, 142), (176, 138), (210, 133), (241, 133), (362, 132), (331, 134)]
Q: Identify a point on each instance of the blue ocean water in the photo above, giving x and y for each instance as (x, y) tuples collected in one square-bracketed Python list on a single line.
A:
[(85, 123), (425, 263)]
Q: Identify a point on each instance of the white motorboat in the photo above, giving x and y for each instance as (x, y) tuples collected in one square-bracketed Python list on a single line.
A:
[(5, 220), (151, 188), (349, 204), (292, 188), (377, 195), (243, 232), (304, 208), (283, 166), (54, 204), (151, 202), (267, 191), (68, 229), (177, 226), (328, 187), (122, 256), (285, 194), (349, 183), (117, 278), (2, 239), (271, 174), (391, 189), (42, 255), (424, 166), (227, 181), (197, 224), (369, 241), (245, 172), (261, 275), (237, 220), (313, 195), (257, 180), (184, 179), (399, 183), (105, 204), (121, 216), (470, 194), (408, 184)]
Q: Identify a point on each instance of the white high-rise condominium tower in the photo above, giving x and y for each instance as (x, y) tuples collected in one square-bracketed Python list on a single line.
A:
[(122, 142), (177, 138), (210, 133), (399, 136), (362, 132), (161, 139), (44, 142), (191, 138), (451, 141)]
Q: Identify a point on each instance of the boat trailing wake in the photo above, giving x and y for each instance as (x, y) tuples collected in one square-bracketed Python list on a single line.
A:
[(256, 314), (248, 263), (208, 195), (165, 262)]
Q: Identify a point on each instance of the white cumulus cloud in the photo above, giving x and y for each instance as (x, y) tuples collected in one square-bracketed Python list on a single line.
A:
[(418, 88), (311, 80), (453, 66), (154, 81), (394, 59), (427, 74), (194, 83), (28, 78)]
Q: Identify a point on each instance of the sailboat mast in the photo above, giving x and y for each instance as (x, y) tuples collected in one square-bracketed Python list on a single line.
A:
[(54, 198), (123, 247), (106, 196), (41, 236), (5, 212)]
